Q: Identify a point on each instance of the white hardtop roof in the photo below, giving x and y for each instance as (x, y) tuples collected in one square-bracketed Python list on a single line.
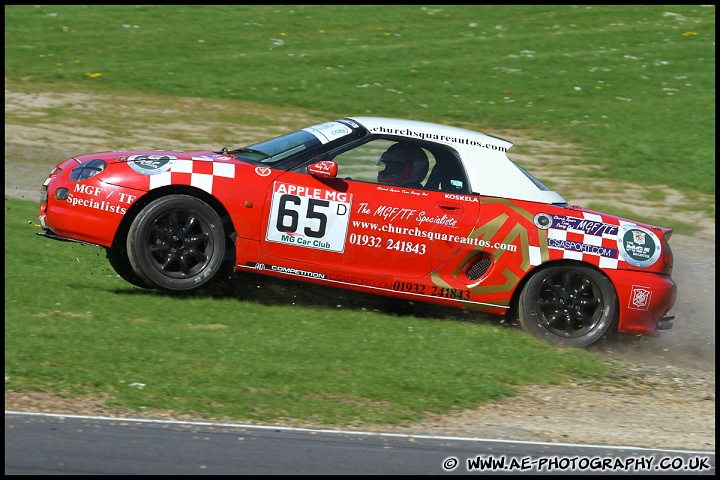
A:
[(489, 170)]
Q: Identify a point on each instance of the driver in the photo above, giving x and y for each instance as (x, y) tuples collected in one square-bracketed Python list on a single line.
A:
[(405, 166)]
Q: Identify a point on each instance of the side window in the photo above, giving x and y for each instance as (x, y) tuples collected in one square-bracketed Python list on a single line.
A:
[(401, 163), (448, 174), (388, 162), (404, 163)]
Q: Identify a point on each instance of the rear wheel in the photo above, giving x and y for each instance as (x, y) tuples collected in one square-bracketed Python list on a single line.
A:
[(177, 243), (568, 305)]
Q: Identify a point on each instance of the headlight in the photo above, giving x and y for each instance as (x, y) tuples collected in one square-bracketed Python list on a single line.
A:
[(87, 170)]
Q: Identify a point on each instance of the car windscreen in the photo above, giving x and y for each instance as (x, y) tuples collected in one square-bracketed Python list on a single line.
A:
[(272, 151)]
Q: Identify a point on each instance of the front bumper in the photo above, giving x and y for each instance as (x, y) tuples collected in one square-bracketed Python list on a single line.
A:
[(86, 212)]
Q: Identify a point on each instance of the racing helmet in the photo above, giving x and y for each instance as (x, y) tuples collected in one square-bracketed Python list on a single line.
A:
[(404, 164)]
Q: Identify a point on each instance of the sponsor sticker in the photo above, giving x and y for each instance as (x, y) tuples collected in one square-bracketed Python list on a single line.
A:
[(309, 217), (543, 221), (583, 225), (151, 164), (286, 270), (327, 132), (640, 298), (638, 246)]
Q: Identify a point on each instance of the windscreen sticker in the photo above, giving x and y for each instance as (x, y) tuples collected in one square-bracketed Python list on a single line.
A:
[(309, 217), (327, 132)]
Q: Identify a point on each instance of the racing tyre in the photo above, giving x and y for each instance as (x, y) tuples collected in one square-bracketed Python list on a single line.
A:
[(568, 305), (177, 243), (119, 261)]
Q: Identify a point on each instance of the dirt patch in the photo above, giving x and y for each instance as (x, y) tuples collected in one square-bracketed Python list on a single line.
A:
[(37, 137), (667, 400), (652, 407)]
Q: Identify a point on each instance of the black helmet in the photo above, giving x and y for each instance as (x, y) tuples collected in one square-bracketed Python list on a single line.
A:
[(404, 164)]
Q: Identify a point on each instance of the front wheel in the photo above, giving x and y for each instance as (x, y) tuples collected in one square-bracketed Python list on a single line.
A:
[(177, 243), (120, 262), (568, 305)]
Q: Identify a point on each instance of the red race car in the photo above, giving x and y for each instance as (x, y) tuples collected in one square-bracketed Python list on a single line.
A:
[(406, 209)]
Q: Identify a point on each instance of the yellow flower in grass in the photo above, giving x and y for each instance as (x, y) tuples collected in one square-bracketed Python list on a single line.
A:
[(94, 75)]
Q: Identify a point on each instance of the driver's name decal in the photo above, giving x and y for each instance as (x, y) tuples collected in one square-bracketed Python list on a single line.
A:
[(309, 217)]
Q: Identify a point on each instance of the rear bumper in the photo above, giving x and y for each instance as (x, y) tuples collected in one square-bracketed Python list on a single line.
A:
[(666, 323), (645, 300)]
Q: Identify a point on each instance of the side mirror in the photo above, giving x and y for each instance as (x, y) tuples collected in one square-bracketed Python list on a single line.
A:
[(324, 169)]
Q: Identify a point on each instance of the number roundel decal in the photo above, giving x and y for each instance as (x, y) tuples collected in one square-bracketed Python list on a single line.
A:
[(309, 217), (638, 246)]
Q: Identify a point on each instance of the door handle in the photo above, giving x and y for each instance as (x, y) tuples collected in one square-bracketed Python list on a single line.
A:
[(450, 207)]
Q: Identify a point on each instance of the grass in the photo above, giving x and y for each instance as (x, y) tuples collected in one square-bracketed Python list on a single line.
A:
[(678, 226), (634, 86), (265, 352)]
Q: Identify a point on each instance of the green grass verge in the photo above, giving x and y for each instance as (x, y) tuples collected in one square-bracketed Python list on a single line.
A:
[(633, 86), (266, 353)]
